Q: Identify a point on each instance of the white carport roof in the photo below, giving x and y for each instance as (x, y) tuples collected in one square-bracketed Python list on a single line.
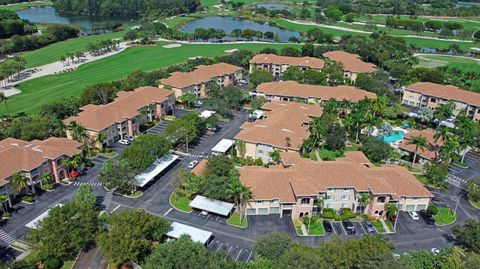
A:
[(34, 223), (223, 146), (156, 168), (196, 234), (211, 205), (207, 114)]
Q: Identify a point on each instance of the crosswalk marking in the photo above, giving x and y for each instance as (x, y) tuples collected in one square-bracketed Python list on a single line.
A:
[(198, 156), (8, 239), (93, 184)]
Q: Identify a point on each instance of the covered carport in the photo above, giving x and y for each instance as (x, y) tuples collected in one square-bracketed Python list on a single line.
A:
[(197, 235), (222, 147), (147, 176), (216, 207)]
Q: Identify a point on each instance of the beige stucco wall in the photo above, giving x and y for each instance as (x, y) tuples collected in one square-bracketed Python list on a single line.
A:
[(411, 98), (410, 203), (340, 198)]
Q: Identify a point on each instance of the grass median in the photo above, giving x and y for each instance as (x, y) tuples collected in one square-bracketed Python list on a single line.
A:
[(445, 216), (180, 202), (235, 220)]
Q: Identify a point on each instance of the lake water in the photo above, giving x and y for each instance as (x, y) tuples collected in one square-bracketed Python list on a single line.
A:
[(228, 24), (50, 15), (272, 6)]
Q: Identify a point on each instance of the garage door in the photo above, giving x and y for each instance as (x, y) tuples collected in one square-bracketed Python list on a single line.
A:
[(262, 211), (287, 212), (274, 210), (410, 208), (421, 207), (251, 211)]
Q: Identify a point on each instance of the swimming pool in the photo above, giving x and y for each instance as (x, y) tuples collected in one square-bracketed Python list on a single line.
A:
[(394, 137)]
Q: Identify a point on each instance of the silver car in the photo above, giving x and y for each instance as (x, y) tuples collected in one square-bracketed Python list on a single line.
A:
[(369, 226)]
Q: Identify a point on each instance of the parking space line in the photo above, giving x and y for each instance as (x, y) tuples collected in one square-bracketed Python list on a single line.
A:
[(210, 243), (251, 252), (219, 247), (118, 206), (363, 228), (230, 249), (333, 228), (240, 252), (168, 211), (217, 218), (343, 228)]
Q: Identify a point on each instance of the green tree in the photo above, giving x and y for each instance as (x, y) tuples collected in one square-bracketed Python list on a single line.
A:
[(258, 77), (117, 176), (181, 131), (65, 231), (188, 99), (335, 137), (293, 73), (241, 147), (473, 189), (436, 173), (219, 172), (275, 156), (290, 51), (375, 150), (4, 99), (131, 235), (145, 150), (469, 234), (314, 77), (79, 133), (449, 151), (333, 13), (420, 143), (20, 181), (272, 246), (240, 194), (444, 111), (85, 197), (467, 131)]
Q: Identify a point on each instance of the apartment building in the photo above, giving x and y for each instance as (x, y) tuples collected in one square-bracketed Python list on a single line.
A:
[(34, 159), (277, 64), (313, 94), (352, 64), (294, 187), (423, 155), (124, 116), (428, 94), (195, 81), (283, 126)]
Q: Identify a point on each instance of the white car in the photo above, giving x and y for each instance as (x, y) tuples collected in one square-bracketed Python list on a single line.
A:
[(192, 164), (435, 251), (125, 141), (413, 215)]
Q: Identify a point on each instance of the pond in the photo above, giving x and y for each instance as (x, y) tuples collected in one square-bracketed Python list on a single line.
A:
[(272, 6), (50, 15), (228, 24)]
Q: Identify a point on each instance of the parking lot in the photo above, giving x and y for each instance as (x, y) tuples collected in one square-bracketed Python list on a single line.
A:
[(236, 253), (459, 176), (209, 216)]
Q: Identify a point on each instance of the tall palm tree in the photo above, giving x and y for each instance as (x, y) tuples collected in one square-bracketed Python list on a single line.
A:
[(245, 195), (450, 149), (20, 181), (420, 142), (100, 138), (78, 133), (444, 111), (4, 99), (442, 133), (240, 194), (379, 105), (241, 148), (467, 132)]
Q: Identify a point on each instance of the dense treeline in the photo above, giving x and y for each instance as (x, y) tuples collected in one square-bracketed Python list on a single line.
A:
[(6, 2), (11, 24), (53, 33), (126, 8), (402, 7)]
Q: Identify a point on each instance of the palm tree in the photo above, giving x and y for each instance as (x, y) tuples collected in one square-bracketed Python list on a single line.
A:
[(420, 142), (467, 131), (379, 105), (365, 198), (444, 111), (275, 155), (245, 195), (442, 133), (450, 149), (63, 59), (4, 99), (100, 138), (20, 181), (241, 148), (79, 134), (240, 194)]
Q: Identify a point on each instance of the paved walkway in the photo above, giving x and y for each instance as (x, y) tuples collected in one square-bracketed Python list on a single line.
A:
[(55, 68)]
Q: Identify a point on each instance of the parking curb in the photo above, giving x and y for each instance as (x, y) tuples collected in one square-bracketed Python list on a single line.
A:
[(170, 202), (470, 202), (443, 225)]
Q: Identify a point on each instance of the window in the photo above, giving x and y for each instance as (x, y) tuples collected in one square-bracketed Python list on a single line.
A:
[(346, 190), (421, 207), (328, 205), (331, 190), (345, 197), (433, 100), (410, 207), (381, 199), (344, 205), (415, 198), (251, 211), (305, 201), (259, 202), (329, 197), (275, 201), (274, 210), (263, 211), (260, 151)]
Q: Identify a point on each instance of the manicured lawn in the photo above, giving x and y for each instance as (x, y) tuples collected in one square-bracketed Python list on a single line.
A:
[(444, 216), (67, 265), (475, 203), (390, 225), (304, 28), (180, 202), (330, 155), (37, 92), (25, 5), (315, 228), (422, 179), (235, 220), (53, 52), (462, 63), (378, 226)]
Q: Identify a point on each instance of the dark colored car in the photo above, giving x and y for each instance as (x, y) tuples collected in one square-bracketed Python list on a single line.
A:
[(349, 227), (327, 226), (427, 217)]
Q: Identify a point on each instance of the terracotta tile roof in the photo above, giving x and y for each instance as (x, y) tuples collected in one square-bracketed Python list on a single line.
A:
[(18, 155), (351, 62), (311, 62), (280, 120), (295, 89), (125, 106), (202, 74), (290, 158), (427, 153), (308, 178), (448, 92), (356, 157)]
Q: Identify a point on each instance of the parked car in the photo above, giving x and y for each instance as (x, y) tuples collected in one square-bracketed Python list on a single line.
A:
[(212, 128), (125, 141), (369, 226), (427, 217), (327, 226), (435, 251), (349, 227), (192, 164), (413, 215)]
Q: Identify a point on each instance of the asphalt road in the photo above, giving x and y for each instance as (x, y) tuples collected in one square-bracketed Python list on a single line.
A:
[(237, 243)]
